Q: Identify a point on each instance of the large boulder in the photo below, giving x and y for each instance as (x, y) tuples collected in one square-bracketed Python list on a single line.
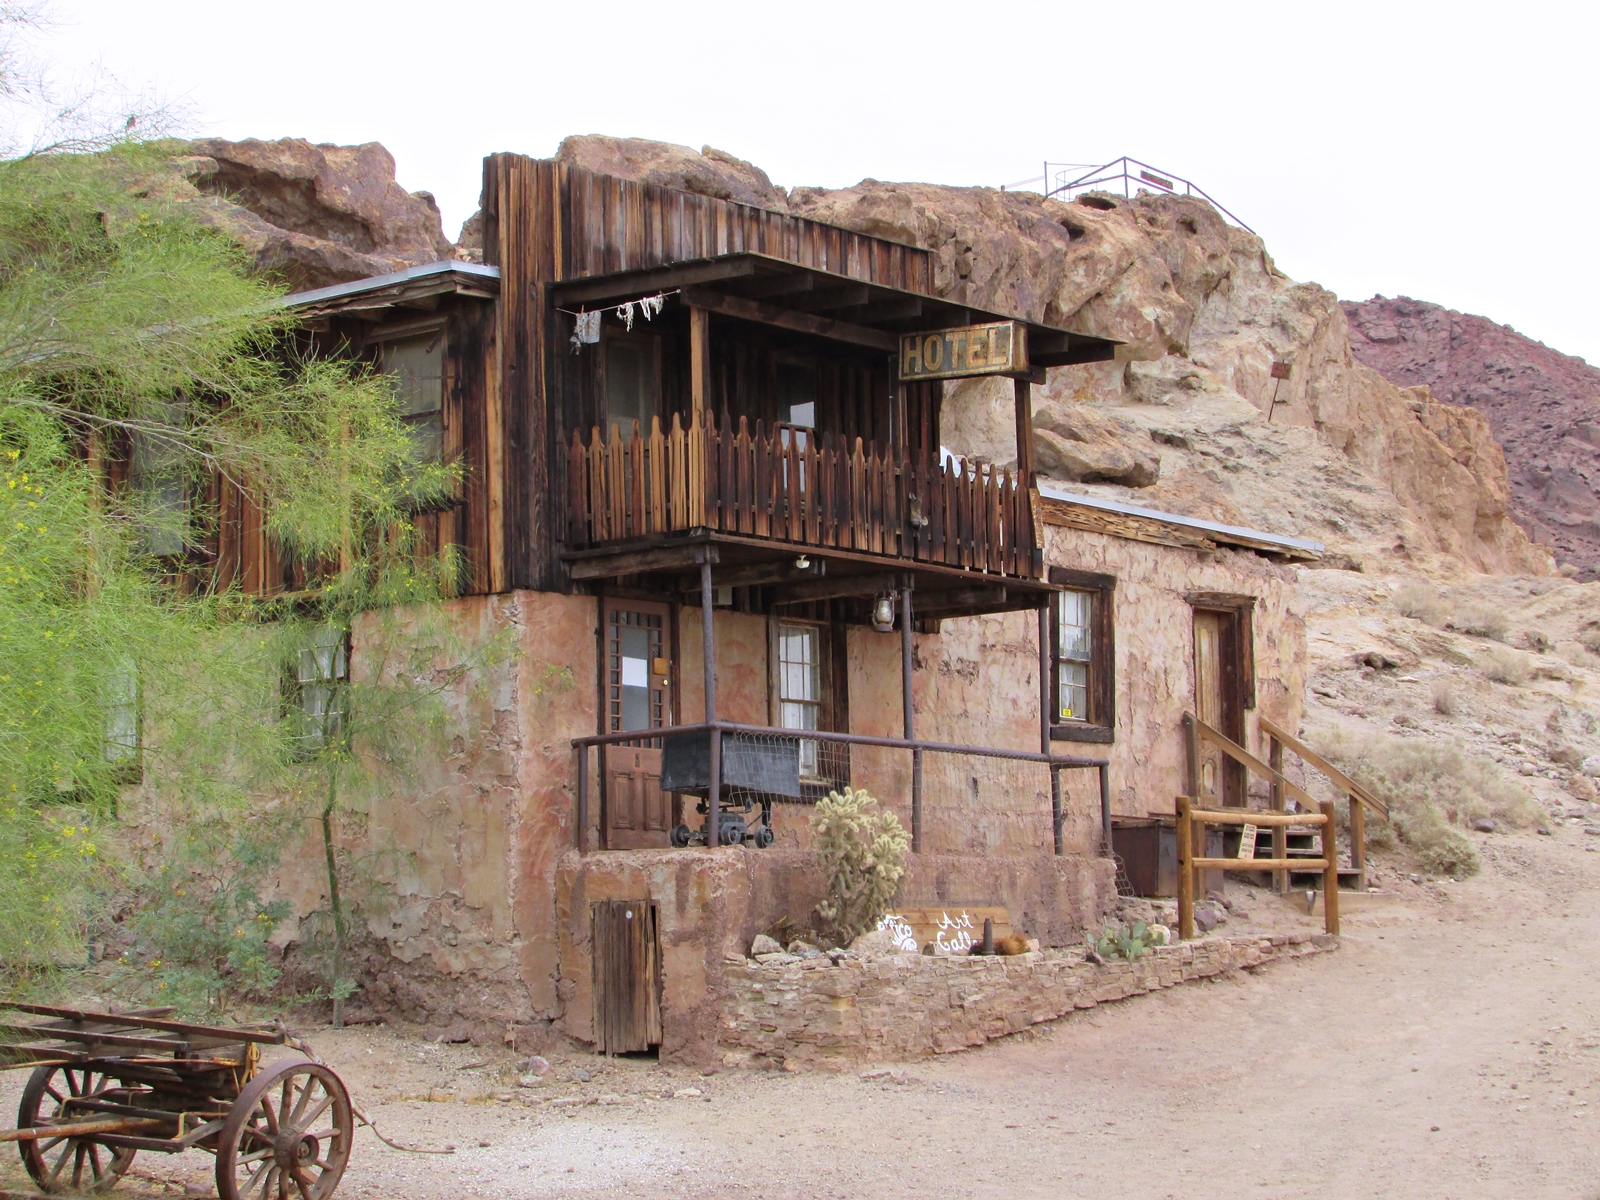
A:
[(708, 172), (1079, 443), (313, 214)]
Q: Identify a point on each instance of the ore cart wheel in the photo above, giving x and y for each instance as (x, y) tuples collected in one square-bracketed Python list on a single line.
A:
[(287, 1136), (67, 1164)]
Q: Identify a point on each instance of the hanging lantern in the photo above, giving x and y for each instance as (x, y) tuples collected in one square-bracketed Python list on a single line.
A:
[(883, 612)]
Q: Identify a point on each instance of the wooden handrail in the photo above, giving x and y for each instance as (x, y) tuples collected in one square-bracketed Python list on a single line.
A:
[(1191, 838), (1340, 779), (1240, 755), (1240, 816)]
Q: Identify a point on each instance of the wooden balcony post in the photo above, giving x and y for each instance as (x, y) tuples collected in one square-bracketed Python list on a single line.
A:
[(699, 361), (1024, 397), (1280, 835), (583, 798), (709, 650)]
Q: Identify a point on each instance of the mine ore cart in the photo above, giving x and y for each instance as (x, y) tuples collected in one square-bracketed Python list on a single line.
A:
[(107, 1085)]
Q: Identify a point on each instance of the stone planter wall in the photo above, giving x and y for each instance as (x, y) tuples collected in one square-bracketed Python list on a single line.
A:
[(833, 1013)]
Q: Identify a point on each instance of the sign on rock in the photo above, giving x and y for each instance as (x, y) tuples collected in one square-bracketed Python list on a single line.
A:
[(998, 349), (952, 930)]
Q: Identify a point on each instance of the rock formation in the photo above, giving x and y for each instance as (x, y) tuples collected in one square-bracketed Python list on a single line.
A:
[(1544, 407), (313, 215)]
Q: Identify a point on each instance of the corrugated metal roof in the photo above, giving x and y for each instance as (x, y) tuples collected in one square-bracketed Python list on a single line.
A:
[(1216, 530), (375, 283)]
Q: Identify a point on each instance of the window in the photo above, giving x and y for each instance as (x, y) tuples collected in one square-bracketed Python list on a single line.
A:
[(1083, 658), (800, 686), (122, 725), (155, 476), (631, 386), (1074, 659), (416, 364), (634, 653), (318, 692)]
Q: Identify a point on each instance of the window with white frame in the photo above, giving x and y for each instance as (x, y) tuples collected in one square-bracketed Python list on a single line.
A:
[(800, 699), (1075, 655)]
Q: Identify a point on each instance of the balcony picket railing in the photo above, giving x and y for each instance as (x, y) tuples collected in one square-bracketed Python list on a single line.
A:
[(798, 487)]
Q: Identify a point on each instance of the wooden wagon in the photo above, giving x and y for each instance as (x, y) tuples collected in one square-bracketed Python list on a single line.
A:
[(108, 1085)]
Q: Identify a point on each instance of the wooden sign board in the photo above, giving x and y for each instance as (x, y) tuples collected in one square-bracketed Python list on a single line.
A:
[(997, 349), (1247, 841), (952, 930)]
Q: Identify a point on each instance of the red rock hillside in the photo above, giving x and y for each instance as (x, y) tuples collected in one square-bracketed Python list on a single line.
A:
[(1544, 407)]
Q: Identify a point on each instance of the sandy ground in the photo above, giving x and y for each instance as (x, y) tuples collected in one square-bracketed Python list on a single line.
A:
[(1450, 1048)]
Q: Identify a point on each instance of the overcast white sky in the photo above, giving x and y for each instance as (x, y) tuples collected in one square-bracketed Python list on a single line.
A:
[(1441, 151)]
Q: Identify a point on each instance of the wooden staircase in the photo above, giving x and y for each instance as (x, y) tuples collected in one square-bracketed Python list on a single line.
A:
[(1288, 842)]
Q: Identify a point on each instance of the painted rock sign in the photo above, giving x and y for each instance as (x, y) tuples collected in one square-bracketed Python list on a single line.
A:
[(997, 349), (950, 930)]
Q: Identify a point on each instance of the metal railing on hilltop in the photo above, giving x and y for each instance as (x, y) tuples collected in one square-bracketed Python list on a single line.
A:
[(1068, 180)]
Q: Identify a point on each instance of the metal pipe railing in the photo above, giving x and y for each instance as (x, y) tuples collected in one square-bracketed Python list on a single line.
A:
[(1055, 762)]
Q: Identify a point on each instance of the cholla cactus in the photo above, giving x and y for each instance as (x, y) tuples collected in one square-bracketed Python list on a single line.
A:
[(862, 853)]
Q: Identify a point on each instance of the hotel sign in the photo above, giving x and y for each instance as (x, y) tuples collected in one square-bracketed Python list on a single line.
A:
[(998, 349)]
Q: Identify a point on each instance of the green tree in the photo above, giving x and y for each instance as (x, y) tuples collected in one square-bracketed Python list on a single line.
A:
[(126, 326)]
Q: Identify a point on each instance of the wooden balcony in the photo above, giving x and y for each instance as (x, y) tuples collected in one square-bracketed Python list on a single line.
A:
[(811, 491)]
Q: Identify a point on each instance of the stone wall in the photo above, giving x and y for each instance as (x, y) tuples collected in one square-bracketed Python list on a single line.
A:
[(833, 1013), (713, 903)]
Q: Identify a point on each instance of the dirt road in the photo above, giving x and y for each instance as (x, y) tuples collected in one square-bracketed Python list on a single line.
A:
[(1451, 1048)]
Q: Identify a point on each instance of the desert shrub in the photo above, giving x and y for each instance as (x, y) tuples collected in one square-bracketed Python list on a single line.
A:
[(1589, 639), (1575, 654), (862, 854), (1431, 786), (1505, 665), (1445, 701), (1418, 599), (1481, 620)]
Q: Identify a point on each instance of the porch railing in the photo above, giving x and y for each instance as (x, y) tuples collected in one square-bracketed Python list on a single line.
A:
[(1037, 799), (795, 486)]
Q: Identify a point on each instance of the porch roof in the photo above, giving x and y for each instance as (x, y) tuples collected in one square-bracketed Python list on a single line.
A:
[(411, 287), (1095, 513), (773, 291)]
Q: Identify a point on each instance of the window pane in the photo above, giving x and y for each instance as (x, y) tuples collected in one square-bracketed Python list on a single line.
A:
[(797, 394), (798, 652), (1074, 690), (122, 715)]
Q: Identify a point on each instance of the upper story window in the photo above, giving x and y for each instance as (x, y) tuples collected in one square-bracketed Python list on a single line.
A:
[(416, 364), (1083, 659), (155, 476), (632, 382)]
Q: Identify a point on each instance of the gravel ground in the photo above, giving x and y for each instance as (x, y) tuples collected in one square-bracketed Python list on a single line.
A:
[(1451, 1048)]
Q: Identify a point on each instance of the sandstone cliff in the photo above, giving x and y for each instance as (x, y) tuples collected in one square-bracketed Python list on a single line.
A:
[(312, 215), (1544, 407)]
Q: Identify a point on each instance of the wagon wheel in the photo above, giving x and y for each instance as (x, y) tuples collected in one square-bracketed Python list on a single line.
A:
[(75, 1163), (287, 1136)]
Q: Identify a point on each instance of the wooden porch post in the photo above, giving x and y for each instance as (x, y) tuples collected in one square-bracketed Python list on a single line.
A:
[(1024, 397), (905, 692), (1185, 872), (1358, 840), (709, 651), (699, 361), (1330, 873)]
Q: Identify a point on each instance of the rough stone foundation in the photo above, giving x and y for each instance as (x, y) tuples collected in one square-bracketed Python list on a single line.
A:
[(833, 1013)]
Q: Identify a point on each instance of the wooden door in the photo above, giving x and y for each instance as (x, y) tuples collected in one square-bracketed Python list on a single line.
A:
[(1210, 701), (635, 813), (626, 943)]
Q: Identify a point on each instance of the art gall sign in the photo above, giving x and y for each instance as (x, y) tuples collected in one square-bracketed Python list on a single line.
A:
[(998, 349)]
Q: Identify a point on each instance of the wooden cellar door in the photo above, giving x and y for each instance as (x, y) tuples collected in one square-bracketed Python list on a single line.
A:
[(637, 814), (626, 940)]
